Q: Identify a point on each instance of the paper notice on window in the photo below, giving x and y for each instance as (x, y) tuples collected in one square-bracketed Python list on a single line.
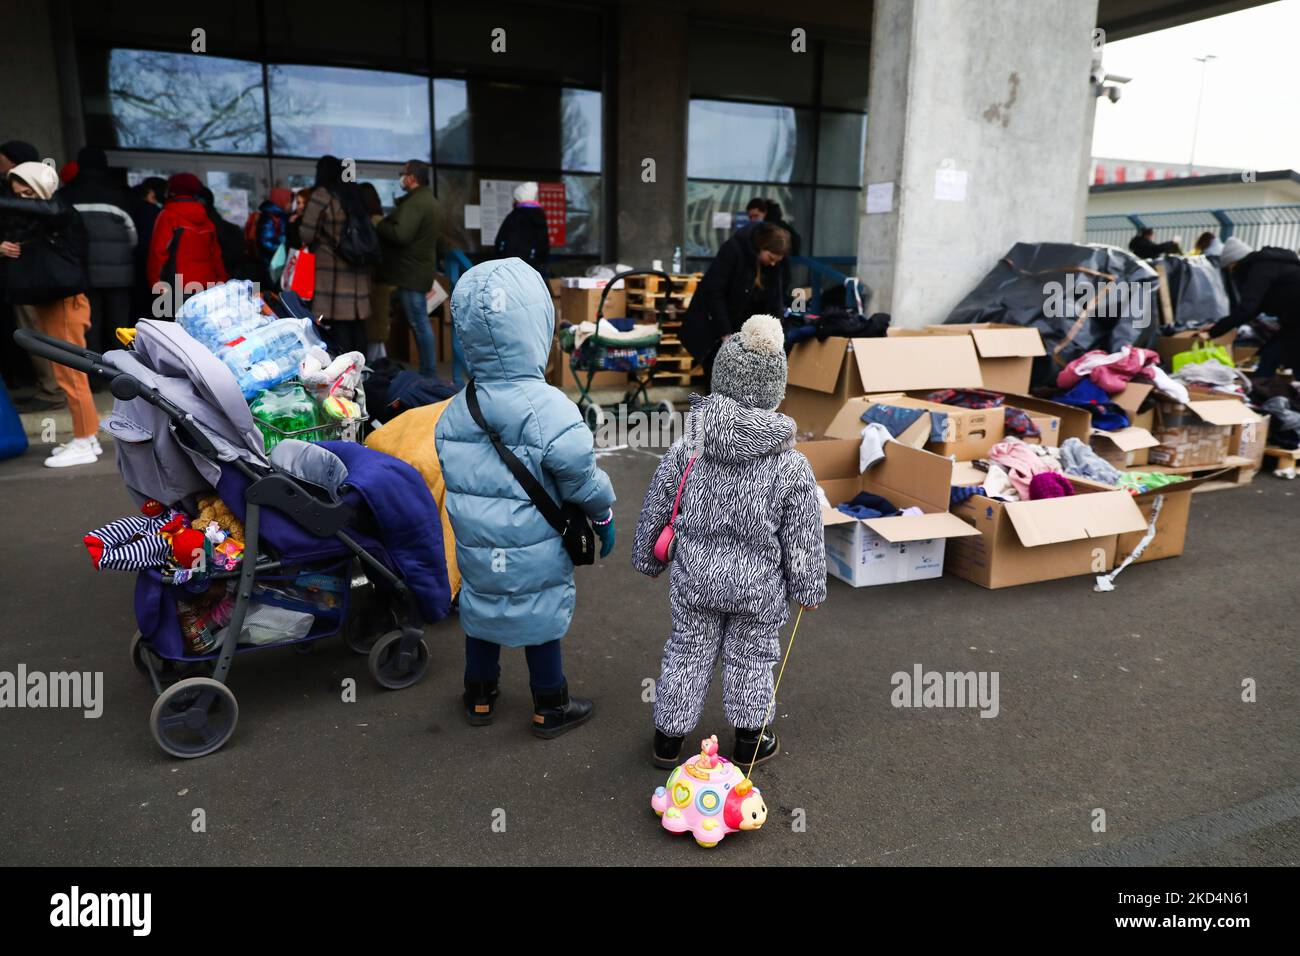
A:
[(723, 220), (950, 185), (231, 203), (496, 198), (880, 198), (472, 219)]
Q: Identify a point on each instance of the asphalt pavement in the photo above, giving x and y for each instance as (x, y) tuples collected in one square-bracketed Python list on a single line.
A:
[(1128, 703)]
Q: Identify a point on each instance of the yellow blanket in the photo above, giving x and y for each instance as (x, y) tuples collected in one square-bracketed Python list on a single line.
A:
[(409, 437)]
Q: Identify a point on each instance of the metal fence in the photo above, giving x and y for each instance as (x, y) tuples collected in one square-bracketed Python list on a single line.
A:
[(1255, 225)]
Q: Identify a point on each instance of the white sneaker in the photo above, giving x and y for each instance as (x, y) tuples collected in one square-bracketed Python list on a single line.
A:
[(94, 446), (79, 451)]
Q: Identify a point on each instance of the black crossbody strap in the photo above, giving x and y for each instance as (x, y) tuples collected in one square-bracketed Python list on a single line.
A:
[(544, 502)]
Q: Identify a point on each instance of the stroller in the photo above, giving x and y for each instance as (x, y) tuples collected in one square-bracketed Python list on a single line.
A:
[(626, 348), (181, 430)]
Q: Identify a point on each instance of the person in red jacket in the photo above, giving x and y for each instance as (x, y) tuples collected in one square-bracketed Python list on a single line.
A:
[(184, 247)]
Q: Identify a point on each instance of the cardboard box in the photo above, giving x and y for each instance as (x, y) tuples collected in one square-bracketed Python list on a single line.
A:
[(1249, 439), (1167, 346), (866, 552), (1026, 541), (824, 375), (1171, 525), (1197, 434), (967, 433), (579, 305), (1049, 427), (1006, 352), (1127, 447), (847, 424)]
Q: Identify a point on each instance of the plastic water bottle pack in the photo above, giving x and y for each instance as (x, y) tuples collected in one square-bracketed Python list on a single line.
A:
[(266, 356), (223, 312)]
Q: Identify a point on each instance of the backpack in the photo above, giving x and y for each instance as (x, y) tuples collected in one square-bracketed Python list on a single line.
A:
[(359, 244)]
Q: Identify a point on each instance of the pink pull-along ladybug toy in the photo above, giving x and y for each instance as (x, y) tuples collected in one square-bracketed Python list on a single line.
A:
[(710, 797)]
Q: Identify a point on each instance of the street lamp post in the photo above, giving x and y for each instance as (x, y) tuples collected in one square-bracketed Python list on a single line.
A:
[(1196, 125)]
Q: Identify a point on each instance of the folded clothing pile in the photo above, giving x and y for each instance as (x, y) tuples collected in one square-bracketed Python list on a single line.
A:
[(866, 505)]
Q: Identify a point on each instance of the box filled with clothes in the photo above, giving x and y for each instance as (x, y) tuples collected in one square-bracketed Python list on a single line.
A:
[(955, 432), (1006, 353), (823, 375), (1165, 500), (1197, 433), (1021, 542), (887, 524)]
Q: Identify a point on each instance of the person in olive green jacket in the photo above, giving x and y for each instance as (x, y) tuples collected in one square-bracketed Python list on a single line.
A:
[(408, 237)]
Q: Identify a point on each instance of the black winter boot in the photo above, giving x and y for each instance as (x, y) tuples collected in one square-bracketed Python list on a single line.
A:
[(555, 712), (747, 744), (667, 750), (480, 700)]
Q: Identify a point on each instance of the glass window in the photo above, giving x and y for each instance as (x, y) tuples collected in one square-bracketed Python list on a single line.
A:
[(844, 75), (749, 66), (705, 199), (840, 150), (185, 102), (749, 141), (837, 222), (582, 194), (358, 114), (498, 124)]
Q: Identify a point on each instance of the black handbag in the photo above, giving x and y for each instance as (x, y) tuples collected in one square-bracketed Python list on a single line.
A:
[(48, 270), (569, 520)]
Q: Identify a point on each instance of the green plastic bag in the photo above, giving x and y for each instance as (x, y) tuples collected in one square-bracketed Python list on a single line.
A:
[(1203, 352)]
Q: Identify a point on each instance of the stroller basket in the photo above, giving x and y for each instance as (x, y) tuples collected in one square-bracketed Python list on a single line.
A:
[(346, 429)]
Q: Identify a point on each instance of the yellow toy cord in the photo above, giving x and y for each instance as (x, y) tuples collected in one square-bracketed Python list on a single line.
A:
[(775, 688)]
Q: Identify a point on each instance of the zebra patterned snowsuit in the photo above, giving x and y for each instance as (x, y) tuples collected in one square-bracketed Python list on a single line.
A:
[(749, 540)]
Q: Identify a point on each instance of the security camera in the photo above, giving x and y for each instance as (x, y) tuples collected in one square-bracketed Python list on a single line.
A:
[(1113, 93)]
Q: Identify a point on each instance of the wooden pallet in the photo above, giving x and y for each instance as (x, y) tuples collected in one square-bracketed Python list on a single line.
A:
[(1286, 459)]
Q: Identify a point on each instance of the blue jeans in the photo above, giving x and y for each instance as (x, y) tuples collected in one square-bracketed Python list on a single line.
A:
[(545, 670), (413, 304)]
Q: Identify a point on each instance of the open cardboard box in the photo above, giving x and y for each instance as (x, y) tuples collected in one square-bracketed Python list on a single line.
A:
[(1197, 434), (1171, 525), (965, 433), (1126, 447), (1006, 352), (1022, 542), (864, 552), (824, 375), (848, 424)]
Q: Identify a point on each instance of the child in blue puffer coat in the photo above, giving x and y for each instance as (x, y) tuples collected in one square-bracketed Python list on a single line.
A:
[(517, 579)]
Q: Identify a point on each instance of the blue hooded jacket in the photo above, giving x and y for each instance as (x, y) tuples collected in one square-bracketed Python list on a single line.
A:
[(517, 578)]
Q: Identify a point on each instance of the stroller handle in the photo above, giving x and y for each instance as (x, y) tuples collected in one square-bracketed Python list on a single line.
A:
[(123, 385), (663, 308), (65, 353)]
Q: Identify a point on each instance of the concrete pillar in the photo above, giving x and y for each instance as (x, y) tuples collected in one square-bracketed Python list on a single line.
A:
[(653, 102), (978, 115), (33, 103)]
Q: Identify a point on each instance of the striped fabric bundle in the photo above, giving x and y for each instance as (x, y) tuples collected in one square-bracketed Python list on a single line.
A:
[(130, 543)]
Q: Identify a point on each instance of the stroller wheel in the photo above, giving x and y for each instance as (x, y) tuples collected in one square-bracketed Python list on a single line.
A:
[(594, 416), (393, 669), (194, 717)]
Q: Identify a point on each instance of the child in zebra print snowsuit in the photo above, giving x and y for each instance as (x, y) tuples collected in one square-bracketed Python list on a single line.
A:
[(749, 541)]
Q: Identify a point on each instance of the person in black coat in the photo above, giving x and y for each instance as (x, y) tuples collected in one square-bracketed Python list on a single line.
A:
[(1144, 245), (1267, 282), (103, 202), (523, 232), (744, 279), (234, 250)]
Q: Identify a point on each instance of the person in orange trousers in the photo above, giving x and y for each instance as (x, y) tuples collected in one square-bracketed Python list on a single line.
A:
[(47, 227)]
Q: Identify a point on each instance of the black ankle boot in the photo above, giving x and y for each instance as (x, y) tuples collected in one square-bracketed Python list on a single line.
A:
[(667, 750), (748, 744), (555, 712), (480, 701)]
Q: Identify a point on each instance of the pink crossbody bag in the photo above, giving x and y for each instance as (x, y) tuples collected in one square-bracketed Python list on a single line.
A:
[(666, 545)]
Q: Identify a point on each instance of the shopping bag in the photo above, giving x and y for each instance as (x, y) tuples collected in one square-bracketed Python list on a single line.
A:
[(278, 262), (1203, 352), (300, 273)]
